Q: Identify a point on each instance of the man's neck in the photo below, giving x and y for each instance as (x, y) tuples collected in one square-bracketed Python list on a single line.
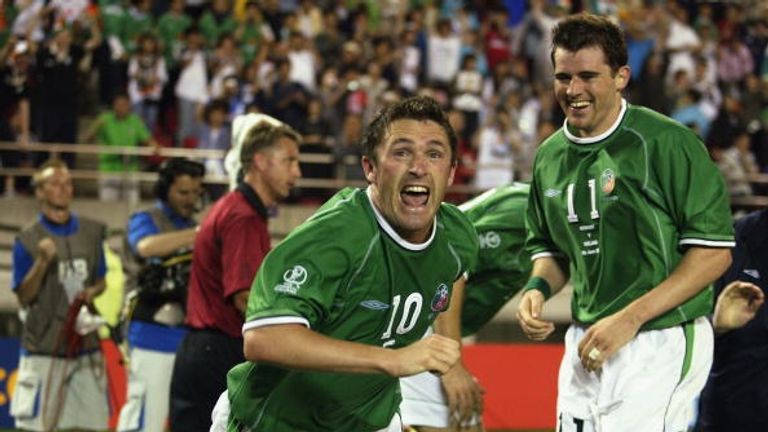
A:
[(261, 189), (56, 215)]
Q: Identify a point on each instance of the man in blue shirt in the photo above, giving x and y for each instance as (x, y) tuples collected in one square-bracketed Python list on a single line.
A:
[(58, 269), (159, 242)]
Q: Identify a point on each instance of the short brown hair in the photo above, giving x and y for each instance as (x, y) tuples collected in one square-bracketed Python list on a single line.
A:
[(584, 31), (42, 172), (263, 136)]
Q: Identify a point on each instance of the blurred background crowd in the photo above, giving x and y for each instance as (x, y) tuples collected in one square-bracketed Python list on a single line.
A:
[(173, 73)]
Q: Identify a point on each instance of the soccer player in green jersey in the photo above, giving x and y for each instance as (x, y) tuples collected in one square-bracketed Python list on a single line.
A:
[(432, 403), (338, 310), (628, 204)]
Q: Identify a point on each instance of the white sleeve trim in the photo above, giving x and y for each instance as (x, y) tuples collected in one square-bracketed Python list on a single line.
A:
[(710, 243), (534, 257), (263, 322)]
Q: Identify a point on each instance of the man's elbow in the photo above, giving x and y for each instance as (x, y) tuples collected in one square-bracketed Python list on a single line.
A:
[(724, 260), (255, 346)]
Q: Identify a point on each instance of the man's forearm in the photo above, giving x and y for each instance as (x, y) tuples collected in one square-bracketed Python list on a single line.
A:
[(698, 268), (295, 346), (448, 323), (160, 245), (549, 269)]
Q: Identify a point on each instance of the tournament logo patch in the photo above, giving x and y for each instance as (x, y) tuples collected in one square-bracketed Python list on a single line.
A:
[(440, 300), (608, 181), (293, 278)]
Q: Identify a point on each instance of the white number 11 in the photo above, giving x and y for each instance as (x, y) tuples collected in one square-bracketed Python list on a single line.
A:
[(594, 214)]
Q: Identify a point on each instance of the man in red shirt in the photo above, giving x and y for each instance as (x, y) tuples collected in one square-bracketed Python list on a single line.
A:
[(229, 249)]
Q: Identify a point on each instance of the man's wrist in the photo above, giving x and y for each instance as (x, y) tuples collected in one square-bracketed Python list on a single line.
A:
[(540, 284)]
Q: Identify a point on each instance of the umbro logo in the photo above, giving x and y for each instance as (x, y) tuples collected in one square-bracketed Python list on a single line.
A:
[(551, 193), (753, 273), (374, 305)]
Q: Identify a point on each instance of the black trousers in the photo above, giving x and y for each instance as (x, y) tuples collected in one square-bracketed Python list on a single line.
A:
[(200, 376)]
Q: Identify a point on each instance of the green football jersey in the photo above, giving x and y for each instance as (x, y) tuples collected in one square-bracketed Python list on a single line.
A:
[(345, 273), (503, 264), (623, 207)]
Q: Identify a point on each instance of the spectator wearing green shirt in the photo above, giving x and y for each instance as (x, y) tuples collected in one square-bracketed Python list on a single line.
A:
[(217, 21), (119, 127), (253, 34), (171, 28)]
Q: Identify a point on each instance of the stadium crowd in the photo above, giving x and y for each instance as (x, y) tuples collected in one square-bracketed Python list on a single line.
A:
[(175, 73)]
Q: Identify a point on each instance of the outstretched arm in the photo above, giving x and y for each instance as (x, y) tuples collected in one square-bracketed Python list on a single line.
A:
[(295, 346)]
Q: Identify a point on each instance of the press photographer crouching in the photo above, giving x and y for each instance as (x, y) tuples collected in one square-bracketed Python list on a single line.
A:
[(159, 255)]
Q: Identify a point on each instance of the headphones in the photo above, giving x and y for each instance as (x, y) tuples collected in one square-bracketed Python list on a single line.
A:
[(172, 168)]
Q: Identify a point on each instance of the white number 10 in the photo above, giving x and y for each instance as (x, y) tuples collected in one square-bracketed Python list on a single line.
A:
[(594, 214)]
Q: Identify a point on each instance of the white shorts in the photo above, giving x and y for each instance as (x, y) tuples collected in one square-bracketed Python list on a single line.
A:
[(220, 417), (74, 390), (149, 391), (648, 386), (424, 402)]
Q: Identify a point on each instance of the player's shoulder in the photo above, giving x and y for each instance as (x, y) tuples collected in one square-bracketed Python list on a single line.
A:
[(553, 143), (656, 129), (502, 207), (347, 216), (457, 226)]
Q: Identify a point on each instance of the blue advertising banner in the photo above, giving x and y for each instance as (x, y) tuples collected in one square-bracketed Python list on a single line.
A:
[(9, 362)]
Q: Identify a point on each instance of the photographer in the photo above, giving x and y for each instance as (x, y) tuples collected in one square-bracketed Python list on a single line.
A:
[(160, 243)]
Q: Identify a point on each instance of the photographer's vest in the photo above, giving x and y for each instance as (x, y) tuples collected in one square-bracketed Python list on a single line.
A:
[(161, 284), (77, 260)]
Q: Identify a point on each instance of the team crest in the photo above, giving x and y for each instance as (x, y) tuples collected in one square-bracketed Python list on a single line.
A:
[(608, 181), (440, 300), (293, 278)]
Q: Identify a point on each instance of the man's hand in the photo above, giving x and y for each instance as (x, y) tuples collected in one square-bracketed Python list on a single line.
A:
[(605, 338), (46, 250), (529, 313), (464, 394), (434, 353), (736, 306)]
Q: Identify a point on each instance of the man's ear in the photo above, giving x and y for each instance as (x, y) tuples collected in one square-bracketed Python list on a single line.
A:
[(622, 77), (369, 168), (259, 161)]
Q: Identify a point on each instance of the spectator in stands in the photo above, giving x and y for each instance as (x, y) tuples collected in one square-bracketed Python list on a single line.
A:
[(171, 28), (147, 76), (734, 398), (15, 88), (288, 99), (138, 21), (119, 127), (217, 21), (192, 87), (235, 231), (158, 245), (214, 133), (443, 54), (58, 269), (58, 87), (253, 34)]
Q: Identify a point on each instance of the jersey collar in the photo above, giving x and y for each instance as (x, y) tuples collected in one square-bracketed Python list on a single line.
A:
[(591, 140), (394, 235)]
